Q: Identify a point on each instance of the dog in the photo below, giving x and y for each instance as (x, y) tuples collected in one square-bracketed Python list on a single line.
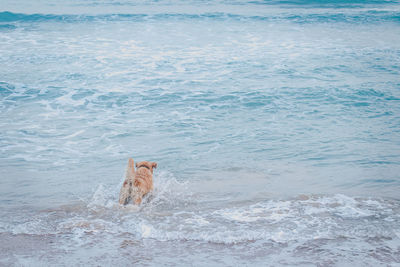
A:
[(137, 183)]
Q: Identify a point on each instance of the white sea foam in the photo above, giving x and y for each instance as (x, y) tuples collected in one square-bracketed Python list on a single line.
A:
[(102, 198), (280, 221), (164, 217)]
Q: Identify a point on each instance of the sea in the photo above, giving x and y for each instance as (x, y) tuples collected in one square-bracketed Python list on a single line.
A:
[(275, 125)]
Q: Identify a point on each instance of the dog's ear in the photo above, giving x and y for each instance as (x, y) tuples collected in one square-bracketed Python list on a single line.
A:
[(154, 165), (136, 165)]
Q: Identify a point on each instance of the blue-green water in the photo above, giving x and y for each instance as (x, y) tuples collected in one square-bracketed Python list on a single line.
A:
[(275, 126)]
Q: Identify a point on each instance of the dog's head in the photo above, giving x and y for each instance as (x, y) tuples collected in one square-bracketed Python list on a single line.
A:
[(146, 164)]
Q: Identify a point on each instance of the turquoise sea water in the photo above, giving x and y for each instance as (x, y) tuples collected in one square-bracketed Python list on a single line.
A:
[(275, 126)]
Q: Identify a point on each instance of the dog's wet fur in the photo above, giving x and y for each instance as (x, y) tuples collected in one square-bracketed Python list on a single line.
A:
[(137, 183)]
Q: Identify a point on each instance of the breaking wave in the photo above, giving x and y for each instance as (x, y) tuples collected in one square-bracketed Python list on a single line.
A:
[(170, 213)]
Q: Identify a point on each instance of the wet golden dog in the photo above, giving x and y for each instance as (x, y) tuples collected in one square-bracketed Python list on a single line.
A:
[(137, 183)]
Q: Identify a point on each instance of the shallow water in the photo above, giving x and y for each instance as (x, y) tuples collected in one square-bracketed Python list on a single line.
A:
[(275, 126)]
